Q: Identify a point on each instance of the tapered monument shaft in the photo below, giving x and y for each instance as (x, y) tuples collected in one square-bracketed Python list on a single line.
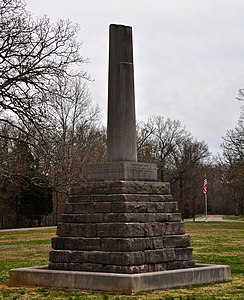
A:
[(121, 132)]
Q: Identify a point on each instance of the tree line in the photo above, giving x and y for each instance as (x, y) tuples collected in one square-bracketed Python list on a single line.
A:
[(50, 130)]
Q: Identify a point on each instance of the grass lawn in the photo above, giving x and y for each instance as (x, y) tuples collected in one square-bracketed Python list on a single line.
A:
[(217, 243), (235, 218)]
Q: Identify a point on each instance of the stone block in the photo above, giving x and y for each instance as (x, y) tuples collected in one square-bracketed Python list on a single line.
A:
[(79, 198), (95, 217), (183, 254), (151, 217), (129, 207), (156, 267), (125, 269), (76, 230), (57, 256), (158, 243), (120, 230), (174, 241), (79, 256), (89, 267), (173, 228), (63, 229), (128, 258), (155, 256), (58, 243), (159, 255), (161, 198), (117, 258), (120, 187), (65, 266), (170, 207), (154, 229), (156, 207), (167, 217), (174, 265), (149, 243), (123, 244), (83, 218), (83, 207), (73, 218), (170, 254), (103, 207), (91, 244), (66, 243), (126, 217), (122, 170), (72, 243)]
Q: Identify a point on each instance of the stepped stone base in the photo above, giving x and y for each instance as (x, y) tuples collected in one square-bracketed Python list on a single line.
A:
[(119, 283), (120, 237), (121, 227)]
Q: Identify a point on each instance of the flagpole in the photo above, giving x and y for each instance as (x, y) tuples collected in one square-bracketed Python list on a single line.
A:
[(206, 207), (205, 189)]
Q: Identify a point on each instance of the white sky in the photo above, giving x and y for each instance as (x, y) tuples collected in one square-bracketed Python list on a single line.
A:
[(188, 56)]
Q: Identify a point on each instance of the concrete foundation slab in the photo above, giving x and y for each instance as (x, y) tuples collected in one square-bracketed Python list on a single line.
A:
[(119, 283)]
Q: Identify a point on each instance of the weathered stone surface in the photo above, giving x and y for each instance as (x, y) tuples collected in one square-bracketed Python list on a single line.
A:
[(121, 198), (123, 244), (168, 217), (120, 187), (117, 258), (177, 241), (129, 207), (120, 227), (160, 198), (72, 243), (78, 198), (120, 230), (125, 269), (82, 218), (79, 207), (139, 197), (121, 129), (76, 230), (156, 267), (173, 265), (173, 228), (104, 207), (159, 255), (99, 217), (183, 254), (80, 256), (57, 256), (154, 229), (65, 266), (90, 267), (158, 243), (122, 170)]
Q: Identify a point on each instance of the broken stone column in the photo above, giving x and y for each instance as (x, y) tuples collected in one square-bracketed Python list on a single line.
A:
[(122, 220)]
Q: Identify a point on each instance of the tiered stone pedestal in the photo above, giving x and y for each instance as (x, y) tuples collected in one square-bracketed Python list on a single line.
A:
[(121, 237), (121, 227)]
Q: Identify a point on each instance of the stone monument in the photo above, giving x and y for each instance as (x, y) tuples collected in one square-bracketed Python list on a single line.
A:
[(122, 220), (121, 230)]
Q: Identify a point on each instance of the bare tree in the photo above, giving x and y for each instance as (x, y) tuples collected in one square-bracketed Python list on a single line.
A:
[(186, 173), (162, 136), (34, 55)]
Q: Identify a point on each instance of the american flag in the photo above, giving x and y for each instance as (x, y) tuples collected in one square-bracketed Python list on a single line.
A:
[(205, 185)]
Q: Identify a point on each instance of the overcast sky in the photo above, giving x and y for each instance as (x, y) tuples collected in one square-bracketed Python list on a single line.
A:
[(188, 56)]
